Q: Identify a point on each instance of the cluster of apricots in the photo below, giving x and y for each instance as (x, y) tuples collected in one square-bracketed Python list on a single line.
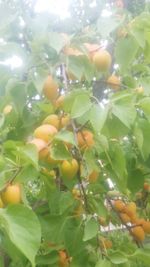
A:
[(128, 214), (10, 195)]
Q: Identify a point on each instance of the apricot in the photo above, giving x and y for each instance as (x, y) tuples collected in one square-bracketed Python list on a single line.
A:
[(130, 209), (59, 101), (124, 217), (102, 60), (102, 221), (1, 203), (85, 139), (146, 186), (12, 194), (76, 193), (138, 233), (64, 121), (50, 88), (119, 205), (114, 82), (39, 143), (106, 243), (146, 226), (139, 90), (52, 161), (7, 109), (69, 168), (45, 132), (91, 48), (93, 177), (71, 51), (52, 119), (79, 210), (63, 259)]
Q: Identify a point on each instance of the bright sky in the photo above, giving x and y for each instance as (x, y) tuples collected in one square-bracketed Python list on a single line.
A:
[(59, 7)]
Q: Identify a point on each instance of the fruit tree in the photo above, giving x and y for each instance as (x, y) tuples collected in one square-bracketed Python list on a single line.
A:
[(75, 135)]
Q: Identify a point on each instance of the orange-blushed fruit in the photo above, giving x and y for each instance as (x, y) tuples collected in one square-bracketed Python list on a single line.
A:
[(93, 176), (69, 168), (114, 82), (59, 101), (50, 88), (63, 259), (7, 109), (64, 121), (91, 48), (39, 143), (119, 205), (124, 217), (1, 203), (52, 119), (85, 139), (71, 51), (102, 60), (45, 132), (130, 209), (106, 243), (138, 233), (12, 194), (146, 226), (146, 186), (102, 221)]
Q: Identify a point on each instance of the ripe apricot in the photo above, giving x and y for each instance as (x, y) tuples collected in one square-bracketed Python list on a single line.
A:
[(71, 51), (76, 193), (93, 177), (50, 88), (63, 259), (124, 217), (1, 203), (52, 161), (52, 119), (85, 139), (146, 186), (59, 101), (91, 48), (102, 221), (7, 109), (79, 210), (139, 90), (12, 194), (69, 168), (39, 143), (119, 205), (45, 132), (138, 233), (106, 243), (130, 209), (114, 82), (64, 121), (102, 60), (146, 226)]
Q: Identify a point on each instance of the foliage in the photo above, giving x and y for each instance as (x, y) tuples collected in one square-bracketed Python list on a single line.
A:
[(83, 173)]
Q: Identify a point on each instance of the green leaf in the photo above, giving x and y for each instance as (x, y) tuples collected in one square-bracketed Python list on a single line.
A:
[(81, 105), (125, 111), (106, 25), (65, 136), (118, 257), (51, 258), (142, 255), (30, 153), (135, 180), (139, 137), (56, 41), (91, 229), (145, 106), (125, 52), (98, 116), (59, 151), (75, 66), (23, 229), (103, 263)]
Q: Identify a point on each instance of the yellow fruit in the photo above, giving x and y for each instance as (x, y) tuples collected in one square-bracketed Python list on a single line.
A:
[(12, 194), (44, 153), (52, 119), (125, 218), (63, 259), (64, 121), (102, 221), (1, 203), (45, 132), (119, 205), (70, 51), (50, 88), (138, 233), (146, 186), (114, 82), (91, 48), (93, 177), (69, 168), (146, 226), (7, 109), (52, 161), (76, 193), (130, 209), (39, 143), (59, 101), (106, 243), (139, 90), (85, 139), (102, 60), (79, 210)]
